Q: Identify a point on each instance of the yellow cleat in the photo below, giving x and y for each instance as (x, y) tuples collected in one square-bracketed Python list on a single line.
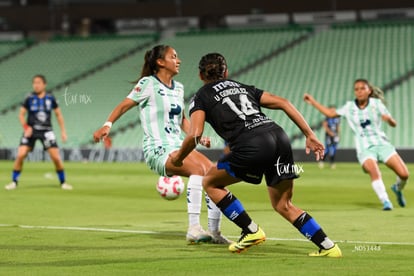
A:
[(334, 252), (248, 240)]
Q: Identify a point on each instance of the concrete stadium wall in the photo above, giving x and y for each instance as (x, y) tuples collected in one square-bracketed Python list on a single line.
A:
[(44, 16), (136, 155)]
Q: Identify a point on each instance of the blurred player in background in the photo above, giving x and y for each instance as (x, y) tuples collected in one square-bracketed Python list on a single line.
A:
[(258, 146), (365, 115), (161, 104), (35, 118), (332, 130)]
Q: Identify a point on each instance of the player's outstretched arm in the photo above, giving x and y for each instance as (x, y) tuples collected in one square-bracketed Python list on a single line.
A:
[(271, 101), (329, 112), (191, 140), (389, 120), (118, 111)]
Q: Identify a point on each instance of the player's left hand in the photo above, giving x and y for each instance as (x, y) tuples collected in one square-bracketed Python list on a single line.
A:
[(205, 141), (174, 159), (313, 144)]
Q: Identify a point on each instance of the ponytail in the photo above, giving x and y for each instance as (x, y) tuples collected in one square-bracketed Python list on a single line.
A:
[(150, 66), (376, 92)]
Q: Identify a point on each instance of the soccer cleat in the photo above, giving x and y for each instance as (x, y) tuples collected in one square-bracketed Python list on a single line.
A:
[(398, 193), (197, 234), (218, 238), (334, 252), (66, 186), (321, 165), (387, 206), (248, 240), (11, 186)]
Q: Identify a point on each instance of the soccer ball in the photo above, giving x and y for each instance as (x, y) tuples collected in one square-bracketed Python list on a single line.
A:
[(170, 188)]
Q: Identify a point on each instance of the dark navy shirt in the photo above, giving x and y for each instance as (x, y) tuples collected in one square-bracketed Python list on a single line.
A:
[(333, 124), (232, 108), (40, 110)]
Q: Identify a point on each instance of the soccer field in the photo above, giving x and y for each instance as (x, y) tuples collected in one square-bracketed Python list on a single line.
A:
[(115, 223)]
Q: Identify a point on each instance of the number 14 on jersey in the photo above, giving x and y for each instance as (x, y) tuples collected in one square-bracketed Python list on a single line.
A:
[(246, 106)]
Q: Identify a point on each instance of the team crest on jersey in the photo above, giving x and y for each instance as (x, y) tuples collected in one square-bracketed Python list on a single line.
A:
[(137, 89), (48, 104)]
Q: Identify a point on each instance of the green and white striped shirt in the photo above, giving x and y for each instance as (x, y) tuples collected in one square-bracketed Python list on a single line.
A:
[(161, 112), (366, 123)]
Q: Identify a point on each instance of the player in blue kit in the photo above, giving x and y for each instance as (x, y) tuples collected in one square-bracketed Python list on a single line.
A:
[(258, 146), (35, 118), (332, 130), (365, 115)]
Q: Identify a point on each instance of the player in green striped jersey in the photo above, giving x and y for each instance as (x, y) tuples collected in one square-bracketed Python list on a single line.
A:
[(365, 116), (160, 101)]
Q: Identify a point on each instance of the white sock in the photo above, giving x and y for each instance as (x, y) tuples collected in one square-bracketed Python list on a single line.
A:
[(327, 243), (214, 215), (194, 198), (253, 227), (379, 189), (401, 183)]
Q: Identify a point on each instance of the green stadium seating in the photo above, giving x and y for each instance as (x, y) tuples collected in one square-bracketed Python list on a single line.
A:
[(8, 47), (241, 48), (400, 102), (59, 60), (325, 65)]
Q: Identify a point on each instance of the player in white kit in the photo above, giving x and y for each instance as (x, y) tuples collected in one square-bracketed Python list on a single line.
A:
[(160, 101), (365, 116)]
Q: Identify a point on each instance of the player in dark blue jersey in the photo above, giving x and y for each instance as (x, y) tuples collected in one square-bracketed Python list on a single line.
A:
[(332, 130), (258, 146), (35, 118)]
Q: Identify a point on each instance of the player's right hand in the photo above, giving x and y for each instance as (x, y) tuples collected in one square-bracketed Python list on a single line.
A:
[(313, 144), (101, 134), (28, 132), (308, 98)]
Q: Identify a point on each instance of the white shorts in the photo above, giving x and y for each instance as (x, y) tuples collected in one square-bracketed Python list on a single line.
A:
[(157, 158)]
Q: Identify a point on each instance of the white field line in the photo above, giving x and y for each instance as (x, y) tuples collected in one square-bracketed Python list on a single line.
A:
[(141, 232)]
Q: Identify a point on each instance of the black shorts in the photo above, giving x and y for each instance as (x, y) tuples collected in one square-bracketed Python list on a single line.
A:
[(252, 156), (47, 138)]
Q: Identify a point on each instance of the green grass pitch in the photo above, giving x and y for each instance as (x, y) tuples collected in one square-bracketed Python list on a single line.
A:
[(123, 197)]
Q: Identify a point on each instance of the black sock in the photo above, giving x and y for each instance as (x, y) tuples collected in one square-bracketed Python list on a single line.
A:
[(232, 208), (312, 231)]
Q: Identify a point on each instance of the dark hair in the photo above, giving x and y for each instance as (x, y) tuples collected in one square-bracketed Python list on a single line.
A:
[(212, 67), (40, 76), (376, 92), (150, 66)]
